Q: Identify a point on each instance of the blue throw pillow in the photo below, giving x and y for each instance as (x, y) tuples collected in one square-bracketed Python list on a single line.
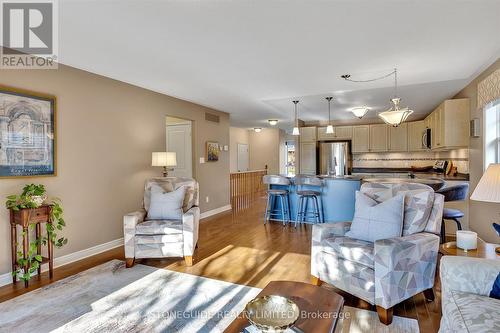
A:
[(495, 291), (166, 205)]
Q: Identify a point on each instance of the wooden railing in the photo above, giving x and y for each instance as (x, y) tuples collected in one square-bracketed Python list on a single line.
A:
[(246, 187)]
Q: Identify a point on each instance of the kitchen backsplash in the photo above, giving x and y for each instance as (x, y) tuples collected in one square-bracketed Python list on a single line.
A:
[(459, 157)]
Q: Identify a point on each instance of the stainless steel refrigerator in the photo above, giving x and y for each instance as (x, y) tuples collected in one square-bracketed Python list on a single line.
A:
[(334, 158)]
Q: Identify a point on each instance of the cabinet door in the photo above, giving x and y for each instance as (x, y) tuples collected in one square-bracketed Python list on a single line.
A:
[(437, 128), (360, 139), (322, 135), (343, 132), (308, 158), (398, 138), (308, 134), (378, 138), (455, 123), (415, 132)]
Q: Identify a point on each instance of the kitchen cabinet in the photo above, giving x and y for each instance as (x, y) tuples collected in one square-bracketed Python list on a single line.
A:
[(378, 138), (415, 131), (308, 158), (449, 124), (360, 139), (340, 133), (307, 134), (398, 138)]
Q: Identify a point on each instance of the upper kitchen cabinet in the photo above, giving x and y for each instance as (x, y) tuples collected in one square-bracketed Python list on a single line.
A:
[(449, 124), (339, 133), (415, 132), (307, 134), (378, 138), (360, 139), (398, 138)]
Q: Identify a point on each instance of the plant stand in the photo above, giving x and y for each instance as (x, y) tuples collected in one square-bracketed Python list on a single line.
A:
[(24, 217)]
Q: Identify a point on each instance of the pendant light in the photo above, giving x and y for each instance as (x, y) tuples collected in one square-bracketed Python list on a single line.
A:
[(359, 112), (296, 124), (329, 128), (395, 115)]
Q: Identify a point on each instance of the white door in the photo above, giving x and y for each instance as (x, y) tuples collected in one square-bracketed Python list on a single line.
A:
[(179, 141), (242, 157)]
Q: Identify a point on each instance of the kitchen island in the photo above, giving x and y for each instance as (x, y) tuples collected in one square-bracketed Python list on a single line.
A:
[(337, 198)]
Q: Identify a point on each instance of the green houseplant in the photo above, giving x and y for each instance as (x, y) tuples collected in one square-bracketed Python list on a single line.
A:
[(33, 196)]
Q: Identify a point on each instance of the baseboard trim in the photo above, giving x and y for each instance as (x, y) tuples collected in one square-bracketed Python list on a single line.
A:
[(215, 211), (6, 278)]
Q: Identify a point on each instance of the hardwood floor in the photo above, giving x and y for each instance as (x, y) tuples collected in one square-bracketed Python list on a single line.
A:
[(239, 248)]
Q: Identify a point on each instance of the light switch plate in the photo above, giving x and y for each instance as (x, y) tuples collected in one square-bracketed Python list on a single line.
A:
[(226, 148), (202, 160)]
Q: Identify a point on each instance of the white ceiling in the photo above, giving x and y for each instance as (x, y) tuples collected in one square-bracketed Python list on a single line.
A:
[(252, 58)]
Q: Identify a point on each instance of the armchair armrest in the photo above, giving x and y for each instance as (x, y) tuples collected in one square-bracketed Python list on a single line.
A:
[(190, 226), (471, 275), (404, 266), (325, 230), (130, 221)]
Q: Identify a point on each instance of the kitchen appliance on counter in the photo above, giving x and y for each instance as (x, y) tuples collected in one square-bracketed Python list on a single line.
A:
[(334, 158)]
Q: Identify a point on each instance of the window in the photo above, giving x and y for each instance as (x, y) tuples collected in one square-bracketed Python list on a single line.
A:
[(492, 133)]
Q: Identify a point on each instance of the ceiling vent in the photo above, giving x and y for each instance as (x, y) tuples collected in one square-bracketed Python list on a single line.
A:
[(212, 117)]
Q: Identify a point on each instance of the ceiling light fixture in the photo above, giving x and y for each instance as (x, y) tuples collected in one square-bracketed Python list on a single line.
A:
[(257, 129), (329, 128), (395, 115), (273, 122), (296, 124), (359, 111)]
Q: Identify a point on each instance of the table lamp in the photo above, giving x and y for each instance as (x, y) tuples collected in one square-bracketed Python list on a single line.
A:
[(488, 189), (167, 160)]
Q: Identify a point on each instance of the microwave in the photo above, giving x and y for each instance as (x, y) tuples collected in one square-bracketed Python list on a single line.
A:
[(426, 139)]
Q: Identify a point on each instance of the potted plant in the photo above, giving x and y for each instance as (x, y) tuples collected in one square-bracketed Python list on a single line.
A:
[(34, 196)]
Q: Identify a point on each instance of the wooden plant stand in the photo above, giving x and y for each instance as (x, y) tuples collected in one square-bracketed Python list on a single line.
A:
[(24, 217)]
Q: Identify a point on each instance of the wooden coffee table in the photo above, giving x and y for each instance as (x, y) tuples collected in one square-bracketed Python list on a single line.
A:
[(484, 250), (320, 308)]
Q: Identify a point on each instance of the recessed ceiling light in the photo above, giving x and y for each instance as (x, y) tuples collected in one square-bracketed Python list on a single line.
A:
[(257, 129), (273, 122)]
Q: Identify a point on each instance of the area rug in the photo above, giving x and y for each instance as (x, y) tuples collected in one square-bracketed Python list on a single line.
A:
[(112, 298)]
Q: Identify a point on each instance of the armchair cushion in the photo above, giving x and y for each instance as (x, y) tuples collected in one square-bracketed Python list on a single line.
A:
[(159, 227), (166, 205), (358, 251), (169, 184), (419, 200), (373, 220)]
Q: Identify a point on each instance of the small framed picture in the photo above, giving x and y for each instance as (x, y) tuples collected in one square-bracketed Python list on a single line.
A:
[(213, 151), (27, 133)]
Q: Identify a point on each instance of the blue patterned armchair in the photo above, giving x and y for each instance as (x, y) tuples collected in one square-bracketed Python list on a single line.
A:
[(388, 271), (145, 238)]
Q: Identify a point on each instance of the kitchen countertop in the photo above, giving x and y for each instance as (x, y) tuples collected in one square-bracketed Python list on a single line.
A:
[(418, 174)]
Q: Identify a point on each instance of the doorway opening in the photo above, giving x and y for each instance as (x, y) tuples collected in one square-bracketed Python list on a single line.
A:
[(179, 140)]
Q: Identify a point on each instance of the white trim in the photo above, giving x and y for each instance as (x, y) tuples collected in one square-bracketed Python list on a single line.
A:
[(72, 257), (219, 210)]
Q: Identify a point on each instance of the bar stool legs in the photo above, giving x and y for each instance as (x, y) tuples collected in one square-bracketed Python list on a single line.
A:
[(443, 228), (284, 201), (302, 209)]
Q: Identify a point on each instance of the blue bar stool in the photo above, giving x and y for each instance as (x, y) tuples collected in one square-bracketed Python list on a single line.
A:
[(306, 195), (273, 195), (453, 193)]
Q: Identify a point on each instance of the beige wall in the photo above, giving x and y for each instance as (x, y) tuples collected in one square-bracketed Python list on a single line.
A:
[(236, 135), (106, 131), (264, 150), (481, 214)]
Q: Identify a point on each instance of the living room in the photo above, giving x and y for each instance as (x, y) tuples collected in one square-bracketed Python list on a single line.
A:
[(183, 166)]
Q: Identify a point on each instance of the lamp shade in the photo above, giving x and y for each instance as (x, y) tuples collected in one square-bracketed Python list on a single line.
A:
[(166, 159), (488, 189)]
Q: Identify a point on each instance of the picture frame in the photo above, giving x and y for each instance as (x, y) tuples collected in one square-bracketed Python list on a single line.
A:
[(28, 140), (212, 151)]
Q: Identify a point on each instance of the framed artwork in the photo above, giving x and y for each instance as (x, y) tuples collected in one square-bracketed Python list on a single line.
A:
[(27, 133), (213, 151)]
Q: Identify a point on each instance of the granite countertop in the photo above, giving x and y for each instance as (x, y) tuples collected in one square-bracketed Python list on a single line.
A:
[(418, 174)]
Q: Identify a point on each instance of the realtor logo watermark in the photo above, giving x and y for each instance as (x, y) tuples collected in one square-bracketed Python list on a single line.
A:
[(29, 34)]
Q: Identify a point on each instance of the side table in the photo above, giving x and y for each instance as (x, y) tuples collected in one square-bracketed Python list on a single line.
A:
[(24, 217), (484, 250)]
